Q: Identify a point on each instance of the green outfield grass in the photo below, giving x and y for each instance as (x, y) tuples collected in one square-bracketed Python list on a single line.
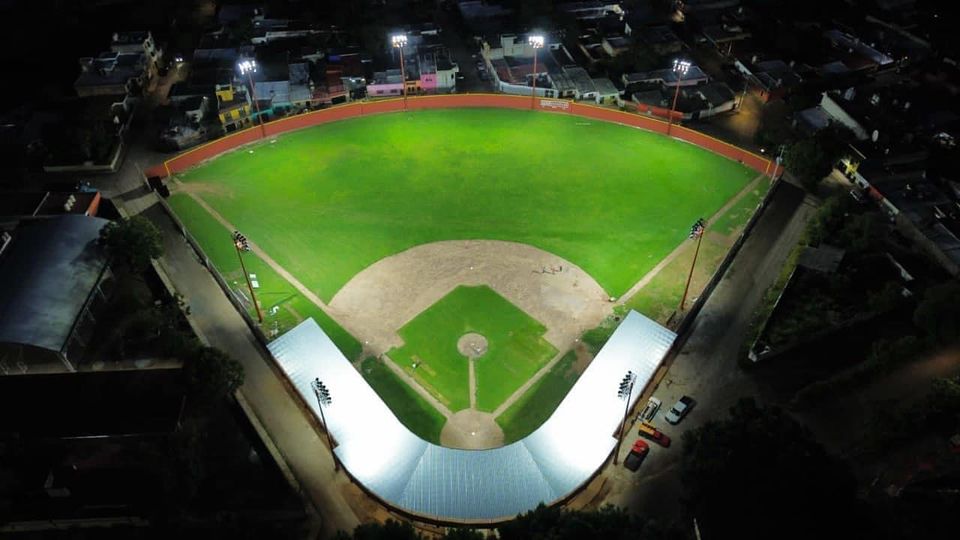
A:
[(516, 348), (413, 411), (328, 201), (738, 214), (273, 291), (533, 409)]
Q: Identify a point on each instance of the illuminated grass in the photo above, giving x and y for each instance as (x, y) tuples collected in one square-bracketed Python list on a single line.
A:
[(515, 348), (413, 411)]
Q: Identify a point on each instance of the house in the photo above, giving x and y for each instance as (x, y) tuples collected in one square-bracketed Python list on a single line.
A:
[(615, 45), (113, 73), (63, 278), (857, 55), (21, 205), (137, 42), (774, 78), (829, 111), (661, 39), (667, 77)]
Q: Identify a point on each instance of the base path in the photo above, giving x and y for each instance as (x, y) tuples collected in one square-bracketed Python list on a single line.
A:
[(386, 295)]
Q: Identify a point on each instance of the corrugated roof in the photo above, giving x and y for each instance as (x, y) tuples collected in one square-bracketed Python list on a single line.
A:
[(47, 275), (473, 485)]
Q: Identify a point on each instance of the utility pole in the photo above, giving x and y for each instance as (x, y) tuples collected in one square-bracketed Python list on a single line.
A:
[(695, 232), (240, 242), (625, 392), (324, 400)]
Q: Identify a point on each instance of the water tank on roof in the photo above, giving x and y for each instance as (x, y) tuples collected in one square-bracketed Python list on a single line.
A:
[(849, 94)]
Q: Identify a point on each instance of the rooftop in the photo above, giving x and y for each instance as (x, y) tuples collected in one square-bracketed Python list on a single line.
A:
[(55, 263)]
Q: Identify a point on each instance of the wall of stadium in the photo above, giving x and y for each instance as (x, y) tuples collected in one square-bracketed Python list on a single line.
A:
[(212, 149)]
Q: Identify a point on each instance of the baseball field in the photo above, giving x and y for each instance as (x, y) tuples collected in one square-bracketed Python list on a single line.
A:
[(324, 205)]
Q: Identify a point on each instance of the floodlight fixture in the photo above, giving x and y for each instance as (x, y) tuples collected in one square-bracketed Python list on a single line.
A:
[(536, 41), (247, 66), (681, 66), (398, 40), (324, 400)]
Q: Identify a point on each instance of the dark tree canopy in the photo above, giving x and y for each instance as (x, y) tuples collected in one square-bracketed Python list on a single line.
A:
[(812, 158), (212, 375), (134, 241), (939, 314), (759, 474)]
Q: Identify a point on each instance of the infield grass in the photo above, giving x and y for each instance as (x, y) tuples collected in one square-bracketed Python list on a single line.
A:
[(328, 201), (515, 348), (413, 411)]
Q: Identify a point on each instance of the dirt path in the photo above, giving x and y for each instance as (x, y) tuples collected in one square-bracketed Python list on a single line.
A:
[(385, 296), (679, 249)]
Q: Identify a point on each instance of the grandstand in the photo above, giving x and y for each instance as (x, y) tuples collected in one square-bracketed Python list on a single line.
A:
[(453, 486)]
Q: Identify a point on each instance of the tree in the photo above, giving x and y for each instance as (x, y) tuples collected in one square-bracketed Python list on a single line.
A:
[(811, 159), (609, 523), (760, 474), (400, 530), (938, 314), (134, 241), (212, 375)]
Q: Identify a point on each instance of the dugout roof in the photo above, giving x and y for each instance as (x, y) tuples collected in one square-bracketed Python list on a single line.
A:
[(449, 484), (46, 275)]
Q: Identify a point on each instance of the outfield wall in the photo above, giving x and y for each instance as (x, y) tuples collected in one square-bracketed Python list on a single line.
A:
[(185, 160)]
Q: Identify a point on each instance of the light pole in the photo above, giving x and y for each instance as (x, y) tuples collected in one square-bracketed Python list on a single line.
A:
[(399, 41), (535, 42), (625, 392), (696, 231), (247, 67), (240, 242), (680, 67), (777, 163), (324, 400)]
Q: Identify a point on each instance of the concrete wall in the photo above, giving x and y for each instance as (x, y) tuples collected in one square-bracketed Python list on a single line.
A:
[(212, 149)]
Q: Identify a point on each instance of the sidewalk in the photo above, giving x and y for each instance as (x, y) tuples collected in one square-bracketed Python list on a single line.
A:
[(303, 449)]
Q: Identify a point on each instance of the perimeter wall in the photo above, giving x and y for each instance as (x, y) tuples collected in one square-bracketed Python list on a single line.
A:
[(185, 160)]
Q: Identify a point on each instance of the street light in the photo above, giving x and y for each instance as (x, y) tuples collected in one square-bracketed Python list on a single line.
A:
[(240, 242), (399, 41), (248, 67), (535, 42), (680, 67), (696, 231), (625, 392), (324, 400)]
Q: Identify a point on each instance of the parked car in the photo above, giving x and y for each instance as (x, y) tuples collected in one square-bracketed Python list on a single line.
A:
[(649, 432), (648, 412), (680, 409), (637, 454)]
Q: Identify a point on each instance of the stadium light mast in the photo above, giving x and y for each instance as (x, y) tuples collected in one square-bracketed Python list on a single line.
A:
[(625, 392), (696, 231), (535, 42), (248, 67), (399, 41), (240, 242), (324, 400), (680, 67)]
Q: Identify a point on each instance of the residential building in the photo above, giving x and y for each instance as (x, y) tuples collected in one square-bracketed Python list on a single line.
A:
[(63, 279), (136, 42), (114, 73)]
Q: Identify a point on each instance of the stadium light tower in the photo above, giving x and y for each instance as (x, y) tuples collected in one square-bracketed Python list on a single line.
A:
[(696, 231), (399, 41), (324, 400), (248, 67), (535, 42), (680, 67), (625, 392), (240, 242)]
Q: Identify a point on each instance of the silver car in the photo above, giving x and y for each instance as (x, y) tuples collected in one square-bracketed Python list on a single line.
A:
[(680, 409), (653, 405)]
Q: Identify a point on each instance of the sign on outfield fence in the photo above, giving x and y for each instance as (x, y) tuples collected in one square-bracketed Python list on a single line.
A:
[(555, 104)]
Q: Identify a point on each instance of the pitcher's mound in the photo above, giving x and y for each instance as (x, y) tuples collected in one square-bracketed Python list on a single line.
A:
[(472, 345), (471, 430)]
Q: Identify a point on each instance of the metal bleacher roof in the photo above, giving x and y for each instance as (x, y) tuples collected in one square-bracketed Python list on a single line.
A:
[(454, 485)]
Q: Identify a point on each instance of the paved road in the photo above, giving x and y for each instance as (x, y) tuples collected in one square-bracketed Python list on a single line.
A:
[(706, 366)]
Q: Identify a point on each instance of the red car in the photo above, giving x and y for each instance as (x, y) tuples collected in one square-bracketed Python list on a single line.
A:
[(637, 454), (649, 432)]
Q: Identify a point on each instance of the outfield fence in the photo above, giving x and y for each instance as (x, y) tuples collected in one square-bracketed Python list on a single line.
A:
[(185, 160)]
